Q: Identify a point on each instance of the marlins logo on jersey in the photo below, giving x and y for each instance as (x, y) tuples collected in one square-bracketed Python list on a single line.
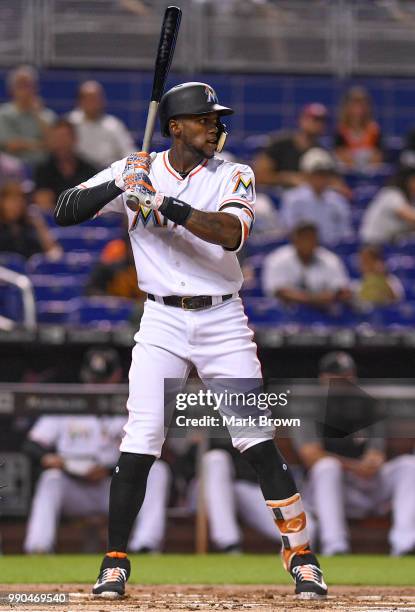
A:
[(243, 185), (145, 216)]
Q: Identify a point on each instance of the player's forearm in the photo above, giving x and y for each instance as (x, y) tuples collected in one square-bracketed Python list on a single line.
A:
[(77, 205), (215, 227)]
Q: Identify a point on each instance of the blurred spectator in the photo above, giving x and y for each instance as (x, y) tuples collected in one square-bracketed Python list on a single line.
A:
[(63, 168), (392, 213), (102, 138), (377, 286), (358, 139), (347, 474), (12, 169), (77, 454), (305, 273), (24, 121), (22, 228), (279, 162), (316, 201)]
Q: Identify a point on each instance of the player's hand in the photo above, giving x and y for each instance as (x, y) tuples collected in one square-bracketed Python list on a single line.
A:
[(144, 194), (51, 460), (96, 473), (136, 164)]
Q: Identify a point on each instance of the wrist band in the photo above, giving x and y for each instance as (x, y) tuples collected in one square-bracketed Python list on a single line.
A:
[(175, 210)]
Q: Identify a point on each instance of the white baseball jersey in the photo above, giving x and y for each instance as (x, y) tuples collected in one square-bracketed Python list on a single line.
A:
[(169, 259), (81, 437)]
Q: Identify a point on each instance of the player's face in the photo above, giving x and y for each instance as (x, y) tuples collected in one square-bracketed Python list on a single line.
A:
[(199, 133)]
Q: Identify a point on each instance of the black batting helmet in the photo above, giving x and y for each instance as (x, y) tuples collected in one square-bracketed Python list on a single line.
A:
[(189, 99), (337, 362)]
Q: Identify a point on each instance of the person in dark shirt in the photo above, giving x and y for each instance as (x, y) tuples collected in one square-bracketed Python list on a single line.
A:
[(63, 169), (22, 228), (279, 162)]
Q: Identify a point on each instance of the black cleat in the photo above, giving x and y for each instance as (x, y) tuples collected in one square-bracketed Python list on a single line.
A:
[(308, 577), (113, 575)]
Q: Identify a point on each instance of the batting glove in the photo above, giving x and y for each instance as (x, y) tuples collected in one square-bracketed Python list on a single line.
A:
[(136, 164), (144, 194)]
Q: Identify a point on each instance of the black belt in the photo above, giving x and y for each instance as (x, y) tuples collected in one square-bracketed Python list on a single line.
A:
[(197, 302)]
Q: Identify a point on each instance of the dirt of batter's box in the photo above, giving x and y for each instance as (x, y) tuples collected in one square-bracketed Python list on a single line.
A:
[(250, 598)]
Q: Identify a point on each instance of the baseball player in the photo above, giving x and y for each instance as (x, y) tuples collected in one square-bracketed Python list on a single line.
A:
[(349, 477), (77, 454), (194, 213)]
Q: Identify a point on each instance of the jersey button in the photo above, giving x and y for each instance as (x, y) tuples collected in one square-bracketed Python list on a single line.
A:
[(183, 284)]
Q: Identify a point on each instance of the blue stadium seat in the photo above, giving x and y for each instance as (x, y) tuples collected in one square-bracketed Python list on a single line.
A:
[(56, 312), (396, 316), (69, 263), (90, 239), (11, 304), (98, 311), (402, 265), (341, 316), (264, 311), (53, 288), (13, 261), (252, 287), (259, 245), (347, 247)]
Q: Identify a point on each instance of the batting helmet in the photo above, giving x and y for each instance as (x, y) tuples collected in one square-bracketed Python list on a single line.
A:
[(190, 99), (337, 362)]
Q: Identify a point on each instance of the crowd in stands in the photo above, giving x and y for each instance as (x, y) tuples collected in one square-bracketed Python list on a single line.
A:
[(332, 237)]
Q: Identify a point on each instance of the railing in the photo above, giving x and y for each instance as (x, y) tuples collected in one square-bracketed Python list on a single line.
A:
[(339, 37), (21, 282)]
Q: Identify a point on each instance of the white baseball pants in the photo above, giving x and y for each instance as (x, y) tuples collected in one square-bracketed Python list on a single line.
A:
[(226, 498), (217, 341), (333, 495), (58, 494)]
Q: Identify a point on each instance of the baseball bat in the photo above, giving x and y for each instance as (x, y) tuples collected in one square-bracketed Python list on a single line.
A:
[(168, 37)]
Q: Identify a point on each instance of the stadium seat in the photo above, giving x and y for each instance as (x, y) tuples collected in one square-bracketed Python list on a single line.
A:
[(64, 288), (101, 311), (396, 316), (56, 312), (69, 263), (252, 286), (347, 247), (11, 304), (264, 311), (13, 261), (90, 239)]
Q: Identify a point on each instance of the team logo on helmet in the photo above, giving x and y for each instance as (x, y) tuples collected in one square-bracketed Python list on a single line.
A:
[(211, 95)]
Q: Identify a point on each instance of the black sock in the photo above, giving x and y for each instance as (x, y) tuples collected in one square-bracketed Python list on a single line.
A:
[(128, 488), (274, 475)]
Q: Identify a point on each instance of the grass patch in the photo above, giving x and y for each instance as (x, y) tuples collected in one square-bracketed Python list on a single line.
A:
[(207, 569)]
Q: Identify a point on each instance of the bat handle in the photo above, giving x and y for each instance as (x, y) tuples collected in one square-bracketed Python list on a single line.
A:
[(150, 124), (148, 136)]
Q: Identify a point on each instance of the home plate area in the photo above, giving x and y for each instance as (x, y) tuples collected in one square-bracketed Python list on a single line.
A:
[(224, 597)]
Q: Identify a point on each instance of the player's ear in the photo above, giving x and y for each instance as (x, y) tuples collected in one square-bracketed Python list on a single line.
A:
[(175, 127)]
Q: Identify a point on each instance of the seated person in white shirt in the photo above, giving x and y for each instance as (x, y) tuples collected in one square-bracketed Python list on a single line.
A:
[(316, 200), (101, 138), (391, 214), (77, 454), (304, 272)]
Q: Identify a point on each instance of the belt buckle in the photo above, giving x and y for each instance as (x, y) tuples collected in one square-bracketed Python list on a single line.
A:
[(184, 306)]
